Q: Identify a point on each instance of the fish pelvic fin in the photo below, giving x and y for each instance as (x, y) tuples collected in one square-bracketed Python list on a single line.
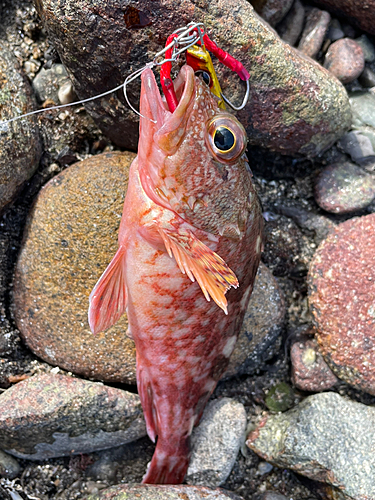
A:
[(200, 263), (168, 466), (108, 298), (146, 396)]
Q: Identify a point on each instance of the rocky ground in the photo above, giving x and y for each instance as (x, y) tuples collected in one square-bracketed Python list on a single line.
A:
[(310, 324)]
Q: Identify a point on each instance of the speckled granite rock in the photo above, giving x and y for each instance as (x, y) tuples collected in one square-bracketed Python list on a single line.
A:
[(262, 326), (326, 438), (55, 415), (341, 295), (70, 237), (162, 492), (343, 188), (215, 443), (295, 106), (20, 146), (345, 60), (360, 13)]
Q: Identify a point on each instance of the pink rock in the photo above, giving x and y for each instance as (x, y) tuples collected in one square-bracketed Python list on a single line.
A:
[(345, 59)]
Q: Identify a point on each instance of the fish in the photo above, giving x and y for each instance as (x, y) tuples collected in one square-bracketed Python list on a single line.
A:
[(190, 241)]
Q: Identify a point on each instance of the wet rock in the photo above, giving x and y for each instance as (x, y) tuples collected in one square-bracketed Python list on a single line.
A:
[(363, 108), (359, 13), (20, 146), (55, 415), (341, 296), (334, 31), (280, 397), (345, 60), (216, 442), (367, 47), (262, 326), (359, 145), (294, 106), (272, 11), (326, 438), (367, 78), (317, 22), (291, 26), (71, 235), (343, 188), (48, 82), (309, 370), (9, 467), (162, 492)]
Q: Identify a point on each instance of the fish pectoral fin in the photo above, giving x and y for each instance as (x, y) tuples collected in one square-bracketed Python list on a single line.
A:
[(200, 263), (108, 298)]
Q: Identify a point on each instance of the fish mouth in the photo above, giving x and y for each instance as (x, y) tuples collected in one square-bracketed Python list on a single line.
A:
[(169, 127)]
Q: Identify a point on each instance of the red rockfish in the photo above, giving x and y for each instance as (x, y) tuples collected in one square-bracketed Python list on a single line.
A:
[(191, 223)]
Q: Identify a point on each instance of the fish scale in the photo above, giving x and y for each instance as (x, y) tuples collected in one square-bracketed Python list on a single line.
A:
[(169, 253)]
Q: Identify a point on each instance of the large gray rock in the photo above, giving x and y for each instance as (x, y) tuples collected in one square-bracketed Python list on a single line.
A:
[(326, 438), (295, 106), (55, 415), (20, 146)]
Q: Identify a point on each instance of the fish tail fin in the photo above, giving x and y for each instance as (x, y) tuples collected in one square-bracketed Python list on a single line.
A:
[(108, 298), (169, 462)]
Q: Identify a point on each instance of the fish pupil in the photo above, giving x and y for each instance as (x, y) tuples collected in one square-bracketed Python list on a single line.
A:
[(204, 75), (224, 139)]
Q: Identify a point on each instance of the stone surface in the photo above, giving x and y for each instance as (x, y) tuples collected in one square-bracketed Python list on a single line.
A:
[(70, 237), (362, 14), (326, 438), (280, 397), (367, 78), (20, 146), (359, 145), (291, 26), (317, 22), (215, 443), (345, 60), (272, 11), (309, 370), (262, 326), (162, 492), (55, 415), (334, 31), (341, 295), (363, 108), (47, 83), (368, 48), (295, 107), (9, 467), (343, 188)]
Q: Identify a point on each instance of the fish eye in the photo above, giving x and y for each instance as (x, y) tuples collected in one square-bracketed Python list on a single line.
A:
[(204, 75), (226, 138)]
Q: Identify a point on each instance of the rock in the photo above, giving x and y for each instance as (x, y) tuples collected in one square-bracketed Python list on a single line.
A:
[(295, 107), (70, 237), (368, 48), (264, 468), (363, 108), (270, 495), (362, 14), (272, 11), (9, 467), (317, 22), (334, 31), (359, 146), (320, 224), (367, 78), (342, 188), (291, 26), (48, 82), (262, 326), (216, 442), (341, 296), (345, 60), (20, 145), (280, 397), (162, 492), (326, 438), (50, 415), (309, 370)]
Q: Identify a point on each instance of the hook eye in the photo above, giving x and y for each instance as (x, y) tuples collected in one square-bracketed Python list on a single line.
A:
[(244, 102)]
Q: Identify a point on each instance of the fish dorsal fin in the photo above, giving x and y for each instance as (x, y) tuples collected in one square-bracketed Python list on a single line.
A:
[(108, 298), (200, 263)]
